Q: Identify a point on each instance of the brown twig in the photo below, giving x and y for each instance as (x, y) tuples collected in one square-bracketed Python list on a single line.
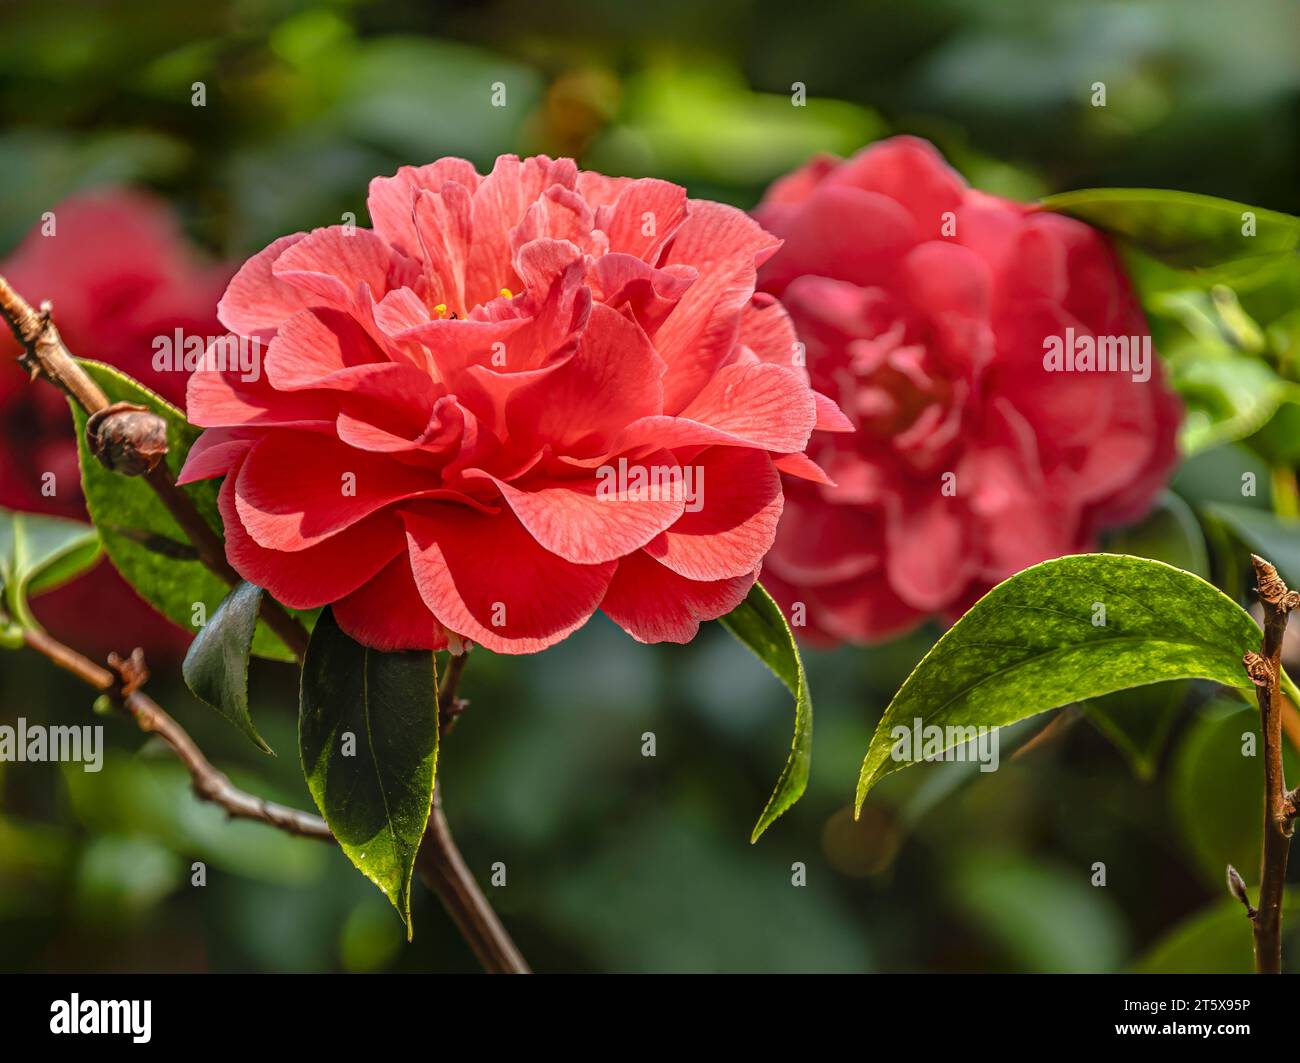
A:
[(444, 870), (439, 861), (122, 684), (46, 355), (1265, 671), (450, 706)]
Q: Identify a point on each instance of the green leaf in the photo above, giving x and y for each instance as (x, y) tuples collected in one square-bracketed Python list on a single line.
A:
[(1031, 644), (1227, 398), (37, 554), (140, 536), (1045, 917), (368, 734), (760, 625), (1138, 722), (1169, 533), (1216, 788), (1183, 229), (1216, 940), (1273, 538), (1279, 439), (216, 664)]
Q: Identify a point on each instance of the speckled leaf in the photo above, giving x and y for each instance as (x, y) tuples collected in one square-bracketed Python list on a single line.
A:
[(216, 665), (760, 625), (368, 734), (1033, 643)]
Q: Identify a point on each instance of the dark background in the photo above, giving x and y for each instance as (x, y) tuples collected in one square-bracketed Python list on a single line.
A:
[(616, 861)]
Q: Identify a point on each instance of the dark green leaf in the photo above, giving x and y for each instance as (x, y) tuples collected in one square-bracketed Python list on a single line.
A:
[(133, 522), (1231, 474), (760, 625), (1279, 439), (368, 733), (1183, 229), (1046, 918), (1169, 533), (1138, 721), (1216, 790), (1263, 533), (38, 553), (216, 664), (1216, 940), (1033, 643)]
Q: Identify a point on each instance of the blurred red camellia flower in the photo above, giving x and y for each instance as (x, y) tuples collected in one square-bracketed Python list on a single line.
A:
[(120, 274), (517, 399), (927, 309)]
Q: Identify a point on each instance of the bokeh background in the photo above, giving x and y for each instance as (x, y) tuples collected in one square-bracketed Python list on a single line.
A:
[(616, 861)]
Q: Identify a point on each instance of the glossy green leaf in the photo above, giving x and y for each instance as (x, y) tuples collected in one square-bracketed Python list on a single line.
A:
[(368, 734), (1036, 642), (1184, 229), (38, 553), (216, 664), (759, 624), (1138, 721), (140, 536)]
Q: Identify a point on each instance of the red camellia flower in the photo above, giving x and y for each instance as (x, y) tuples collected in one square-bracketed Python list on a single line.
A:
[(120, 275), (944, 322), (517, 399)]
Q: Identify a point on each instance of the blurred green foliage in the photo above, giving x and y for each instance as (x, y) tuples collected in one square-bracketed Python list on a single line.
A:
[(616, 861)]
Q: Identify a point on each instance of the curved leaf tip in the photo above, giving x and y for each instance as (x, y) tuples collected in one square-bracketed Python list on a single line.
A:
[(1063, 631), (761, 626)]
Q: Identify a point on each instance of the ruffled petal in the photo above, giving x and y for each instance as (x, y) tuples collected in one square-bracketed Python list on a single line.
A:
[(655, 604), (524, 606), (739, 499)]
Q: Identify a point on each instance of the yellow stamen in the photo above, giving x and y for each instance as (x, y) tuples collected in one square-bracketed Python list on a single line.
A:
[(506, 293), (440, 310)]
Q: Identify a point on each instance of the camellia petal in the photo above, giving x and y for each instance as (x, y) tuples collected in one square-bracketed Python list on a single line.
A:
[(521, 607), (473, 414), (929, 313), (655, 604)]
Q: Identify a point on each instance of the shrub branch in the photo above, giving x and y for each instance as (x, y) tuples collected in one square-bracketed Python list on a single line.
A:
[(1265, 671), (439, 862), (46, 355)]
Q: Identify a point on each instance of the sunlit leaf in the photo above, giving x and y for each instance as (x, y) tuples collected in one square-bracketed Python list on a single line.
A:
[(759, 623), (1064, 631)]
